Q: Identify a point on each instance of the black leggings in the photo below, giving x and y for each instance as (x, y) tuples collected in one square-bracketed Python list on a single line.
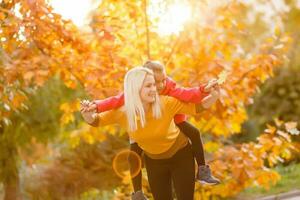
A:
[(194, 135), (179, 169)]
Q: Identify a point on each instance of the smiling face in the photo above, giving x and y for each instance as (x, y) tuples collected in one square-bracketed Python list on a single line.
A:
[(159, 74), (160, 80), (148, 89)]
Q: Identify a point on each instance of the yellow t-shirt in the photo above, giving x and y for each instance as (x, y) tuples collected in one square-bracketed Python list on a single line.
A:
[(158, 135)]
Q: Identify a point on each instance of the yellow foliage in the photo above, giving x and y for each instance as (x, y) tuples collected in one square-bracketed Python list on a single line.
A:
[(241, 166), (87, 134), (68, 111), (211, 146)]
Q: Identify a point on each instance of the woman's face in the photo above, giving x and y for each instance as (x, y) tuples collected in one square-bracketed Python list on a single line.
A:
[(148, 90)]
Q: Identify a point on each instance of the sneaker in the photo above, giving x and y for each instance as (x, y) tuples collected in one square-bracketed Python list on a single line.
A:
[(139, 195), (204, 176)]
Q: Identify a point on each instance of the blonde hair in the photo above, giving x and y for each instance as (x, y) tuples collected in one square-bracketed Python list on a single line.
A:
[(133, 82)]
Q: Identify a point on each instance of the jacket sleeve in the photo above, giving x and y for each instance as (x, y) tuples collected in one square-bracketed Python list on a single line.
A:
[(190, 95), (110, 103)]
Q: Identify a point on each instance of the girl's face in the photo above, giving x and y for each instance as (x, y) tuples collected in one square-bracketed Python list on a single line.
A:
[(148, 90), (160, 80)]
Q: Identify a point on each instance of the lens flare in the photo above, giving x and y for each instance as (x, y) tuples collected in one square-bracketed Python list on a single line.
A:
[(121, 163)]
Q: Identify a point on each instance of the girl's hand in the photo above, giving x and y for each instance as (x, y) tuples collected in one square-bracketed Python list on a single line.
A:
[(88, 106), (215, 92), (92, 107), (211, 85), (88, 116)]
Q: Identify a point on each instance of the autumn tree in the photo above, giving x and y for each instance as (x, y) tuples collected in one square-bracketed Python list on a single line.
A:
[(36, 45), (282, 91)]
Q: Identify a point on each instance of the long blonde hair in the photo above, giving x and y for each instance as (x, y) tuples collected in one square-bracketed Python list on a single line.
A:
[(133, 82)]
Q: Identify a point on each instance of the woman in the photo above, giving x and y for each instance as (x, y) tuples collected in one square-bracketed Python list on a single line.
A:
[(148, 119)]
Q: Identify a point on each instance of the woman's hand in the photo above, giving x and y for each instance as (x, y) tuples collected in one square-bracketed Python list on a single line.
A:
[(88, 115), (212, 97)]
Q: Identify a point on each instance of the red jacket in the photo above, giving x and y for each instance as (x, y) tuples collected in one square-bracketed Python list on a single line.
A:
[(191, 95)]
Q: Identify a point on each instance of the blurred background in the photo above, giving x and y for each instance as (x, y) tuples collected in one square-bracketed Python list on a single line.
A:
[(55, 53)]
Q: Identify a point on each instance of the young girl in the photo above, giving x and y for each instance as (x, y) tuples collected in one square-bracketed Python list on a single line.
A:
[(149, 122)]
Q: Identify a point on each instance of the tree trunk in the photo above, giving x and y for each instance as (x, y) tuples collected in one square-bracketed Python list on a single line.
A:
[(9, 167), (12, 190)]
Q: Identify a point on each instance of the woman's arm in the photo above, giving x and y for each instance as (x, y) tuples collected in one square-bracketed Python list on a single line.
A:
[(210, 99)]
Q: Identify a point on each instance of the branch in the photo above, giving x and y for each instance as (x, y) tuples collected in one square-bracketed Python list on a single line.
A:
[(56, 60), (138, 37), (293, 50), (173, 50), (246, 74), (270, 51), (147, 29)]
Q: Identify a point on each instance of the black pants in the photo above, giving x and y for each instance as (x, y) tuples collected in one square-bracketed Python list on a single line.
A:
[(194, 135), (179, 169)]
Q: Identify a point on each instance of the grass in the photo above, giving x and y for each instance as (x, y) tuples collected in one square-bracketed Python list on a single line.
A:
[(290, 180)]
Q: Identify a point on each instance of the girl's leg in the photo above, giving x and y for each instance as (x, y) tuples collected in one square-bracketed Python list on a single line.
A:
[(137, 180), (159, 177), (183, 173), (204, 173), (194, 135)]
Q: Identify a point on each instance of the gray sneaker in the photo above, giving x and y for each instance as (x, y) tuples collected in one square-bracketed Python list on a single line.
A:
[(204, 176), (139, 195)]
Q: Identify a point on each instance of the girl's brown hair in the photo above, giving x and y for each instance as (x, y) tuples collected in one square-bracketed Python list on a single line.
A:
[(154, 65)]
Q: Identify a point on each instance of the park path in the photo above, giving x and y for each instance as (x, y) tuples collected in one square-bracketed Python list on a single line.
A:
[(292, 195)]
